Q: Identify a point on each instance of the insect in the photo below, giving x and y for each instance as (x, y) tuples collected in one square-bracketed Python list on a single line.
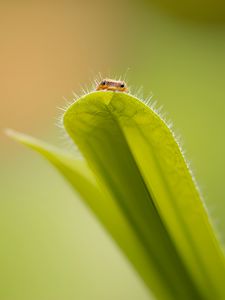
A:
[(112, 85)]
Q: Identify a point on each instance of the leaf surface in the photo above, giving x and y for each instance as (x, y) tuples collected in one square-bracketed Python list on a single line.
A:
[(136, 181)]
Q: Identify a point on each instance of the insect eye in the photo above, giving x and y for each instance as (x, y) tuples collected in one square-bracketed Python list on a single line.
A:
[(122, 85), (103, 83)]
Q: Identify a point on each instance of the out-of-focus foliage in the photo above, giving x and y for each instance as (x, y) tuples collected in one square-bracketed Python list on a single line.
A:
[(212, 11)]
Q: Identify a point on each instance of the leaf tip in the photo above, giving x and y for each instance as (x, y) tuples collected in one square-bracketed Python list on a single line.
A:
[(10, 133), (18, 136)]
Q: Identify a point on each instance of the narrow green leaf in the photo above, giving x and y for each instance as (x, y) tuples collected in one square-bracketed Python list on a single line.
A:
[(134, 154), (101, 203)]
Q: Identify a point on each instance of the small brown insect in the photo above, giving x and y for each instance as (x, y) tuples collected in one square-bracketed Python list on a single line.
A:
[(112, 85)]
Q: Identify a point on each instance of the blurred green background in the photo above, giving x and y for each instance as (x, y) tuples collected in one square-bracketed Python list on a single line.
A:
[(52, 248)]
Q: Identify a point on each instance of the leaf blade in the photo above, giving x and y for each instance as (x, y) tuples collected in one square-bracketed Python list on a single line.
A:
[(80, 177), (155, 148), (95, 119), (147, 199)]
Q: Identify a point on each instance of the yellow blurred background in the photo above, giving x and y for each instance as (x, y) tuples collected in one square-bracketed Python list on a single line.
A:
[(52, 248)]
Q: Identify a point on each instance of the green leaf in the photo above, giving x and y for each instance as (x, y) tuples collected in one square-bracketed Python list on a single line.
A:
[(99, 201), (139, 186)]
